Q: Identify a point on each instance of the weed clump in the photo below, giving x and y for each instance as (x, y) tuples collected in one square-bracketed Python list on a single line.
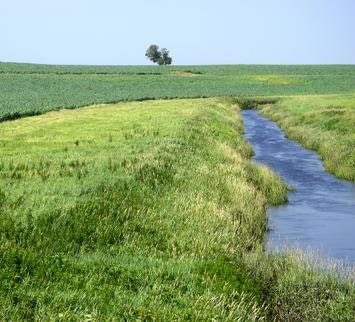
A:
[(246, 103)]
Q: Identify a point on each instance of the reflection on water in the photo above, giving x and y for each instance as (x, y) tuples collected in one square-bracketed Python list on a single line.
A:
[(321, 211)]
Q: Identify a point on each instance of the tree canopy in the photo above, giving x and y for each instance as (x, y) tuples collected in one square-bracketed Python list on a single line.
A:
[(161, 57)]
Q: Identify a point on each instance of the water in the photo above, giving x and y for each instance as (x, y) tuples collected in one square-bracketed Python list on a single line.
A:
[(320, 213)]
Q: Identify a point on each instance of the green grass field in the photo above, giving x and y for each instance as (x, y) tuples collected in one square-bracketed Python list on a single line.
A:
[(152, 210)]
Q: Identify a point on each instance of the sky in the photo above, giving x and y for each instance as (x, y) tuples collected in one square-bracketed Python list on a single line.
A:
[(116, 32)]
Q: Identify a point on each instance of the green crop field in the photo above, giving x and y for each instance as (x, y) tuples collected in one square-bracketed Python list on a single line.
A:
[(151, 210), (33, 89)]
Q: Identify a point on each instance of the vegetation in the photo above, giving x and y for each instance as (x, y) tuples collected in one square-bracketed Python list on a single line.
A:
[(152, 210), (322, 123), (28, 89), (124, 217), (160, 57), (296, 290), (117, 212), (165, 58)]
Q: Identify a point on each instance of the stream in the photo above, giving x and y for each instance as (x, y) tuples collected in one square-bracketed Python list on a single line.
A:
[(320, 213)]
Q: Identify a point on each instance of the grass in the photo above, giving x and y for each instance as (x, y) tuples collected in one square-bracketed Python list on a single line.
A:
[(28, 89), (146, 211), (116, 211), (296, 290), (324, 123)]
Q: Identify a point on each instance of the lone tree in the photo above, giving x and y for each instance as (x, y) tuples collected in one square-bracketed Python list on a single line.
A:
[(160, 57)]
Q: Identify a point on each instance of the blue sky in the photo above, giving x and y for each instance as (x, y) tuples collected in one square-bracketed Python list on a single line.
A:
[(196, 31)]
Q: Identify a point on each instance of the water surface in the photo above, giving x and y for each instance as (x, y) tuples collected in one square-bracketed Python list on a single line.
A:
[(320, 213)]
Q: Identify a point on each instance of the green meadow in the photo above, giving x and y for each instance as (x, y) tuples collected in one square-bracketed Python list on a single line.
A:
[(151, 209)]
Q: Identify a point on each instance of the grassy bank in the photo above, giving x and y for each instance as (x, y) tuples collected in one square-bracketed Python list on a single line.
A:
[(146, 210), (34, 89), (117, 211), (324, 123)]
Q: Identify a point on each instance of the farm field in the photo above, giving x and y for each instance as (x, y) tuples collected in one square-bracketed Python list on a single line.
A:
[(34, 89), (149, 209)]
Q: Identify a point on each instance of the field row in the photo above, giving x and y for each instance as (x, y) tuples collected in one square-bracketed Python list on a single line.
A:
[(209, 69)]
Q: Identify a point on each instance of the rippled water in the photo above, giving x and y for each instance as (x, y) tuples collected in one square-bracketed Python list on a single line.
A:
[(320, 213)]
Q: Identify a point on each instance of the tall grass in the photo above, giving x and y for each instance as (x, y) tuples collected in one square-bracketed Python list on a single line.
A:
[(300, 286)]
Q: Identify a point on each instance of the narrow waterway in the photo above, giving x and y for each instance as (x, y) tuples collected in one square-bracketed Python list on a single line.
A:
[(320, 213)]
